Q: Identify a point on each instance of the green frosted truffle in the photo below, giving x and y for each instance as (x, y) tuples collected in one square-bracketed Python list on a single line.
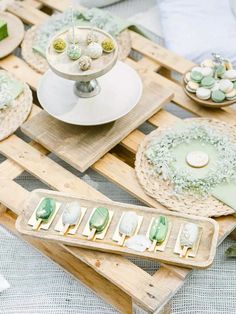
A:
[(217, 96), (73, 52), (46, 209), (108, 45), (159, 229), (3, 30), (208, 82), (196, 76), (59, 45), (99, 219)]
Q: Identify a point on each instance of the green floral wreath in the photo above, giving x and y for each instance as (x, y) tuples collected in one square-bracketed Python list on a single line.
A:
[(159, 154)]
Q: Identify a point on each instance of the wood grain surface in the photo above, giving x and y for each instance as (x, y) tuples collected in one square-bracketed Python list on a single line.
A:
[(82, 146)]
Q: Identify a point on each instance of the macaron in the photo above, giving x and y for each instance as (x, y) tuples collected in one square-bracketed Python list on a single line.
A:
[(192, 86), (217, 96), (207, 71), (216, 86), (220, 70), (197, 69), (226, 86), (230, 75), (231, 95), (196, 76), (234, 83), (208, 82), (203, 93), (207, 63), (187, 77)]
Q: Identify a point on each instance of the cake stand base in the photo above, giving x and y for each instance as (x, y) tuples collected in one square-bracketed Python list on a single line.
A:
[(121, 89)]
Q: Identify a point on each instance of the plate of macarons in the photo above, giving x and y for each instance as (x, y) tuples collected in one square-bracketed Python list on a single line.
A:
[(211, 84)]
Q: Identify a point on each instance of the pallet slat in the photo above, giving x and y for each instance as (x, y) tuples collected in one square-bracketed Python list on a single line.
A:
[(26, 13), (161, 55), (81, 271), (41, 166)]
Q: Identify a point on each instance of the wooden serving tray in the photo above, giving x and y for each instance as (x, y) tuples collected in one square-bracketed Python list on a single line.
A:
[(204, 256)]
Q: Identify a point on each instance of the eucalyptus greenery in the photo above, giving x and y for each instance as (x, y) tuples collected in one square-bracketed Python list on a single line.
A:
[(160, 155)]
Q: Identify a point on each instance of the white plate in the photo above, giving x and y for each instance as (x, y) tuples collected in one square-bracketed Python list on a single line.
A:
[(121, 89)]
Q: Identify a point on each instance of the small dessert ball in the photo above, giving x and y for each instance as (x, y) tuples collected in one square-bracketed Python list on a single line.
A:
[(70, 35), (94, 50), (59, 45), (92, 38), (84, 63), (73, 52), (108, 45)]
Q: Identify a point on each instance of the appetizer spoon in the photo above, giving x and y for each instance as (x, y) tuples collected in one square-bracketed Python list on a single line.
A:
[(70, 216), (44, 212), (188, 238), (127, 226), (158, 231), (98, 221)]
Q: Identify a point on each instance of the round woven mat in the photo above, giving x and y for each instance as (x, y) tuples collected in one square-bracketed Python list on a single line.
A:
[(162, 190), (38, 63), (14, 115)]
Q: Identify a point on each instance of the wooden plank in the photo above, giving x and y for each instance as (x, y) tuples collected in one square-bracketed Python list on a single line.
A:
[(33, 3), (82, 146), (161, 55), (21, 69), (26, 13), (58, 178), (61, 5), (87, 275)]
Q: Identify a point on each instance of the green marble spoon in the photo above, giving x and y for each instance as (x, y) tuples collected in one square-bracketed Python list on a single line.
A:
[(98, 221), (44, 212)]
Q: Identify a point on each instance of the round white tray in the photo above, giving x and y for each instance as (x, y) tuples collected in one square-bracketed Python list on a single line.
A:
[(69, 69), (116, 99)]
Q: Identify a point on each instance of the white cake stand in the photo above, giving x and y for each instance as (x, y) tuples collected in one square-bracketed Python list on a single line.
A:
[(102, 94)]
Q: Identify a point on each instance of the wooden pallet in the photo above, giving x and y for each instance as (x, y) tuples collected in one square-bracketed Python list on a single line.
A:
[(114, 278)]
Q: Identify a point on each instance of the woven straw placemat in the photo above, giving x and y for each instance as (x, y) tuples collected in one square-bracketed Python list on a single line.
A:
[(16, 113), (162, 190), (39, 63)]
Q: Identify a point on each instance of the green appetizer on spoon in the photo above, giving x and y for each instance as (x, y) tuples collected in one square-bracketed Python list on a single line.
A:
[(158, 231), (98, 221), (44, 212)]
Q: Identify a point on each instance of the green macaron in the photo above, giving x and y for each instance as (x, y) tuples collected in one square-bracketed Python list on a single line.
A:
[(196, 76), (234, 84), (220, 70), (217, 96), (208, 82)]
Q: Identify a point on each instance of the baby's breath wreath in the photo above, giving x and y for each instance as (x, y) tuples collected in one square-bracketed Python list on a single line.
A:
[(176, 187)]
